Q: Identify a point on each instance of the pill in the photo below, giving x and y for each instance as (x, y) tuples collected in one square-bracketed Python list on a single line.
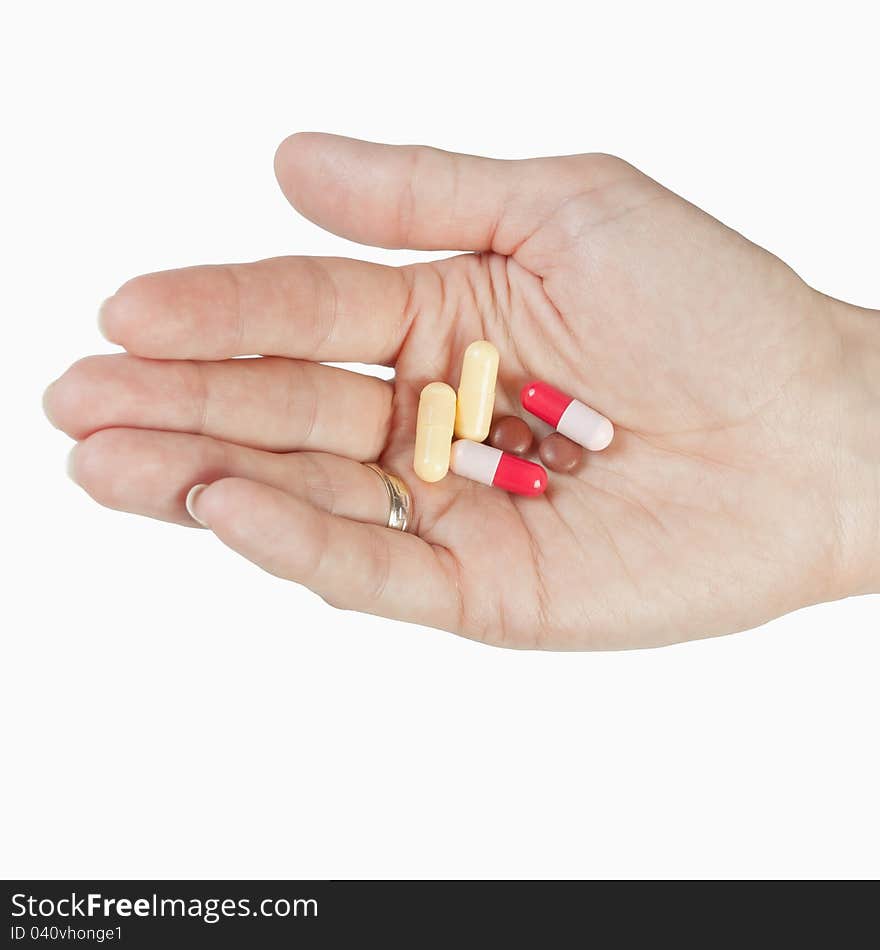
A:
[(511, 434), (434, 425), (476, 391), (572, 418), (560, 454), (490, 466)]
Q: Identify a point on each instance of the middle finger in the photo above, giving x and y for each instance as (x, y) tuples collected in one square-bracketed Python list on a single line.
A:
[(269, 403)]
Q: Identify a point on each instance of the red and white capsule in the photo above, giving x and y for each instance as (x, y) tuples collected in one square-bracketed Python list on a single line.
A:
[(490, 466), (568, 416)]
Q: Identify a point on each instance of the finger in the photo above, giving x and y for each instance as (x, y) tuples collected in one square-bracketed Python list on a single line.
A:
[(149, 473), (268, 403), (308, 307), (418, 197), (351, 565)]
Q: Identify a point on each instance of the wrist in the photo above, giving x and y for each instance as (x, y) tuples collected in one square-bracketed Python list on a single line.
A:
[(857, 395)]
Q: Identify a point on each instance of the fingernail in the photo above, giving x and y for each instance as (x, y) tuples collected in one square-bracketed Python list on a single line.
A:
[(191, 498), (102, 321)]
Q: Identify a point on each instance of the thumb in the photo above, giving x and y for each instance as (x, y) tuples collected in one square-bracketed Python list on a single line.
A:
[(424, 198)]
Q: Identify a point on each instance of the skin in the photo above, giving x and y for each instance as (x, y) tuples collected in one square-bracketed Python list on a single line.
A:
[(742, 481)]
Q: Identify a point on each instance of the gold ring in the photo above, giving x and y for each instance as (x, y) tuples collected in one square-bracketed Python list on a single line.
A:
[(399, 499)]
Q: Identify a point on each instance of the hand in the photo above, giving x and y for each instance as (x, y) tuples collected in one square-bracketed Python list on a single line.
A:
[(742, 481)]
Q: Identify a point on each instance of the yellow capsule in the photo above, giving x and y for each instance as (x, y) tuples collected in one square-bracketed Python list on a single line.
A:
[(434, 426), (476, 391)]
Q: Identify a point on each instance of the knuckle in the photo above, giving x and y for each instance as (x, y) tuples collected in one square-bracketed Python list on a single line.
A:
[(325, 304), (380, 569), (304, 404), (605, 161), (406, 202), (234, 322), (316, 483)]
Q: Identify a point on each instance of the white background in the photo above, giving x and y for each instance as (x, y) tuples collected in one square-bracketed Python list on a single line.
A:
[(171, 711)]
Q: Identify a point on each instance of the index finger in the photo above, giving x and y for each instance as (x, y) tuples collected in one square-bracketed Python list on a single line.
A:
[(316, 308)]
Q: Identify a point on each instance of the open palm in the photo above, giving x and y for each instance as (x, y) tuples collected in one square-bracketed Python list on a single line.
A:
[(709, 513)]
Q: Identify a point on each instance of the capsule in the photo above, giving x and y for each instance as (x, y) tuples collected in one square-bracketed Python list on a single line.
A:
[(490, 466), (476, 391), (434, 425), (569, 416)]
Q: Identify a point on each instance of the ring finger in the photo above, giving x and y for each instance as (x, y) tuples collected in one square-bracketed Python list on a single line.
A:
[(150, 473)]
